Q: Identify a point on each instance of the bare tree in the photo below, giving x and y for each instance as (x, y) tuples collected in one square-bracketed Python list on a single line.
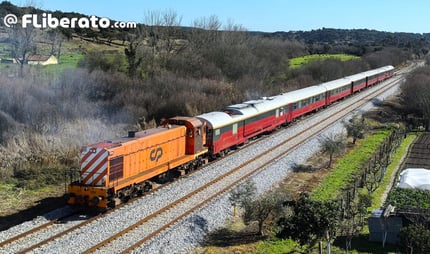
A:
[(55, 39), (22, 43), (206, 32), (161, 32)]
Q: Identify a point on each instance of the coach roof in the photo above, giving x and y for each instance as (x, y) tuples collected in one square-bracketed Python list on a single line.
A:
[(336, 83), (216, 119), (303, 93)]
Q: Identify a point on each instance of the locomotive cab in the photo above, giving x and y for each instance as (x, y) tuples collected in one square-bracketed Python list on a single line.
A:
[(195, 139)]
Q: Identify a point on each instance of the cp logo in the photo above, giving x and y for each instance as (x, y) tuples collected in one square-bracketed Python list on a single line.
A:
[(156, 154)]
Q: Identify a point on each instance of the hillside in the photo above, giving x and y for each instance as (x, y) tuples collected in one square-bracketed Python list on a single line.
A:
[(320, 41)]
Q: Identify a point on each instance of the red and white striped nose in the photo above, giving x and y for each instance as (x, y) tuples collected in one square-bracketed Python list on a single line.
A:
[(94, 164)]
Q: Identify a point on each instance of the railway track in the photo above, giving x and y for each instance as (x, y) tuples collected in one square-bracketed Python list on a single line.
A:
[(183, 207), (177, 210), (46, 232)]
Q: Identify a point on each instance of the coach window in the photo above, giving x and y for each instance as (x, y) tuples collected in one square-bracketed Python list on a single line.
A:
[(283, 110), (217, 132), (234, 130)]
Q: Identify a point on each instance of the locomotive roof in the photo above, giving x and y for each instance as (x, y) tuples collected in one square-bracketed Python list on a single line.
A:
[(301, 94), (330, 85), (190, 122), (140, 134)]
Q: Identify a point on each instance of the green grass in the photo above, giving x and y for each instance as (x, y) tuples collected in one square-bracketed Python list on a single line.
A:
[(14, 199), (277, 246), (303, 60), (349, 164), (66, 61)]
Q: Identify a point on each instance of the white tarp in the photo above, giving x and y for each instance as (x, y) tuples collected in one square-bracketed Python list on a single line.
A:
[(415, 178)]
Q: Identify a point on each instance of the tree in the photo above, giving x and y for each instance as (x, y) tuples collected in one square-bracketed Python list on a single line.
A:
[(415, 239), (259, 208), (416, 93), (243, 194), (309, 221), (356, 127), (22, 43), (331, 145), (161, 33), (131, 53), (353, 218), (55, 38)]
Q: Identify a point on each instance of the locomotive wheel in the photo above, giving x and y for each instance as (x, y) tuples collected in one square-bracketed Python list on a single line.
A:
[(147, 187)]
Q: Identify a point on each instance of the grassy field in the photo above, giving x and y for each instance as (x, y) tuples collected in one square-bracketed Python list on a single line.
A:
[(345, 167), (303, 60), (72, 52)]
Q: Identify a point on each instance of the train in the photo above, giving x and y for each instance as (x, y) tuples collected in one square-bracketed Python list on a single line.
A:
[(113, 171)]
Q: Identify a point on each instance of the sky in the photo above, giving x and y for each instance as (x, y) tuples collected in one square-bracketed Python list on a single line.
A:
[(263, 15)]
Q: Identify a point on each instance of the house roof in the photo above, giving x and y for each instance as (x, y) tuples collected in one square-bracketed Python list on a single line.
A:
[(39, 58)]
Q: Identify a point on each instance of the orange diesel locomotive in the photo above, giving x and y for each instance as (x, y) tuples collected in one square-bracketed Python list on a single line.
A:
[(113, 171)]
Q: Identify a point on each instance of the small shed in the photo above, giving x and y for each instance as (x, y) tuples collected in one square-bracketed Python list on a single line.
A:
[(384, 226), (41, 59)]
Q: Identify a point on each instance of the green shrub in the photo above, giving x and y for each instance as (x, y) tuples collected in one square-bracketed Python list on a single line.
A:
[(409, 198)]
